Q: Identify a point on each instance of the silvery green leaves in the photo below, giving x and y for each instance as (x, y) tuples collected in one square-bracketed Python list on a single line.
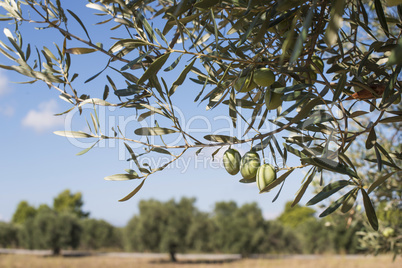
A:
[(54, 68)]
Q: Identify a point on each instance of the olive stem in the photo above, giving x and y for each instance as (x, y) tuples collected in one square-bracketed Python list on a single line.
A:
[(263, 155)]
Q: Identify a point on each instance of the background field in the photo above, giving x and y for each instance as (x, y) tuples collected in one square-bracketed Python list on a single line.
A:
[(8, 261)]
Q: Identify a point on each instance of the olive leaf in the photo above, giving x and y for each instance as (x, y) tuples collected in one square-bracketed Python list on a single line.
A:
[(330, 165), (122, 177), (329, 190), (349, 201), (379, 181), (335, 205), (370, 212), (127, 197), (80, 50), (73, 134), (371, 139), (152, 131), (303, 189), (221, 138), (331, 33), (154, 67)]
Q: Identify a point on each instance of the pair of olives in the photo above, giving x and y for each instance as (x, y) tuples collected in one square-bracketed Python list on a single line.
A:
[(262, 77)]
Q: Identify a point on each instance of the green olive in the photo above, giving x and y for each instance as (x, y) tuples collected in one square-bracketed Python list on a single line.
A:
[(398, 99), (308, 77), (317, 61), (249, 165), (265, 175), (244, 84), (272, 100), (231, 161), (264, 77)]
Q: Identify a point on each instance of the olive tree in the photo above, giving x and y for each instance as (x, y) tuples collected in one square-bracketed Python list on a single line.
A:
[(70, 202), (23, 212), (52, 230), (8, 235), (311, 70), (99, 234), (162, 226), (239, 229)]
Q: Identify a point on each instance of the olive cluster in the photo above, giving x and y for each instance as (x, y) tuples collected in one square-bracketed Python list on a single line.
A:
[(250, 167)]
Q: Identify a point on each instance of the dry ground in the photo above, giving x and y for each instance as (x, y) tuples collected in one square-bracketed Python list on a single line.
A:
[(31, 261)]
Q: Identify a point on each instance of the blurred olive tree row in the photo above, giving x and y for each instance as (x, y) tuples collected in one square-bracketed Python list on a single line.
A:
[(180, 227), (63, 226)]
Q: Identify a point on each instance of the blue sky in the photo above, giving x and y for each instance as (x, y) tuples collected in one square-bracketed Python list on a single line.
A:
[(36, 164)]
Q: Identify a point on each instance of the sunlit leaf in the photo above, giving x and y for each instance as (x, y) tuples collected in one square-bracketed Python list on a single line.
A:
[(151, 131), (73, 134), (161, 151), (221, 138), (95, 101), (130, 195), (122, 177), (80, 50), (86, 150), (379, 181)]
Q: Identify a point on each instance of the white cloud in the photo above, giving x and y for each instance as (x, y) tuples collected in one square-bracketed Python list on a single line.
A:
[(43, 118), (4, 84), (7, 110)]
